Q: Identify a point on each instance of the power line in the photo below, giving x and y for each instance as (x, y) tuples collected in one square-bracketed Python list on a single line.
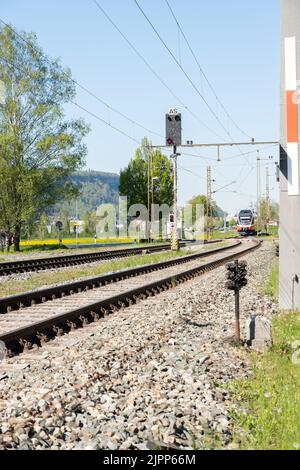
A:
[(120, 131), (139, 54), (186, 74), (199, 176), (182, 69), (246, 177), (248, 153), (202, 71), (115, 110), (105, 122), (191, 172)]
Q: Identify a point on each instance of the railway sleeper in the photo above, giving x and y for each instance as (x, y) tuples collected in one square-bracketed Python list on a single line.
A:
[(84, 320), (42, 337), (25, 344)]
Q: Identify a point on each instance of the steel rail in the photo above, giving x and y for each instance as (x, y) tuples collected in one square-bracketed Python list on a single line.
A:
[(38, 332), (18, 301), (37, 264)]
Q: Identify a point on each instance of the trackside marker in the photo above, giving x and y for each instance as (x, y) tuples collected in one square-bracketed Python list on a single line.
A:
[(292, 116)]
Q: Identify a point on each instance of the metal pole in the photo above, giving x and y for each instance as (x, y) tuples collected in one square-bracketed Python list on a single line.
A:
[(175, 245), (268, 198), (237, 310), (258, 193), (208, 202), (220, 144), (76, 221), (148, 222), (237, 316)]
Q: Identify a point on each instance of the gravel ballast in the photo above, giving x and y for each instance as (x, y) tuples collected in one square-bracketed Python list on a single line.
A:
[(151, 375)]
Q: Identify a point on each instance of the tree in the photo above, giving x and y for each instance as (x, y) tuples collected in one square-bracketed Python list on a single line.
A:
[(42, 226), (269, 211), (65, 219), (134, 178), (39, 148), (201, 200), (90, 222)]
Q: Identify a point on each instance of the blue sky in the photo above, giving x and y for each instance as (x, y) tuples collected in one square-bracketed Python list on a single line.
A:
[(237, 45)]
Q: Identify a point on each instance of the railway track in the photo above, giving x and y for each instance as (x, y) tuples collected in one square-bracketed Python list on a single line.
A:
[(39, 264), (35, 317)]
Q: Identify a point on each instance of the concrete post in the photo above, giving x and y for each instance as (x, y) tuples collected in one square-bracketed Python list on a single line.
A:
[(289, 157)]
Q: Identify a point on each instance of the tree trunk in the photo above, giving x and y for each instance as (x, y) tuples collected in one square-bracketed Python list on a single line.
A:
[(17, 238)]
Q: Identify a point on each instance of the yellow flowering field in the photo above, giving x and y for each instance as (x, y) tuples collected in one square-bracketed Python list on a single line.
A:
[(72, 241)]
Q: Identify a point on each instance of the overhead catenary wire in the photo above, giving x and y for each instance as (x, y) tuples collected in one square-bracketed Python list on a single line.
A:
[(109, 107), (182, 69), (153, 71), (91, 113), (85, 89), (120, 131), (186, 75), (105, 122), (198, 176), (202, 71), (190, 171)]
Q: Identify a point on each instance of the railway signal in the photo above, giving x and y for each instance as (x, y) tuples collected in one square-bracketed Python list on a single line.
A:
[(173, 128), (236, 280), (173, 139)]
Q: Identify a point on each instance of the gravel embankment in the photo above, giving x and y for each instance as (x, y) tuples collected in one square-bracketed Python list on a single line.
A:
[(153, 373)]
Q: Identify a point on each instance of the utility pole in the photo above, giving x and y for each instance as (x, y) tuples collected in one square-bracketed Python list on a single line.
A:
[(289, 296), (258, 202), (149, 209), (258, 199), (175, 242), (208, 202), (267, 198)]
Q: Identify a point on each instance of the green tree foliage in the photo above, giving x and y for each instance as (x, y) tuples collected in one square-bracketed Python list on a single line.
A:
[(42, 227), (232, 223), (268, 212), (65, 219), (94, 188), (216, 220), (90, 220), (134, 178), (201, 199), (39, 148)]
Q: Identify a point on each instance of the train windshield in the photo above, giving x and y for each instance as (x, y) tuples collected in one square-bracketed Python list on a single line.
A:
[(246, 214)]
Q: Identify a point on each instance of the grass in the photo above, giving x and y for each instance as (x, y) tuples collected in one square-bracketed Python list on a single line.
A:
[(269, 401), (271, 288), (271, 398), (42, 279), (217, 234)]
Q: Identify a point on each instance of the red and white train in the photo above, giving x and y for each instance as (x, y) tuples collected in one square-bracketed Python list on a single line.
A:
[(246, 223)]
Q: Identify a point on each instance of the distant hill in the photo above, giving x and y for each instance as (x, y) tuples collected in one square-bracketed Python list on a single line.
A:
[(96, 187)]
